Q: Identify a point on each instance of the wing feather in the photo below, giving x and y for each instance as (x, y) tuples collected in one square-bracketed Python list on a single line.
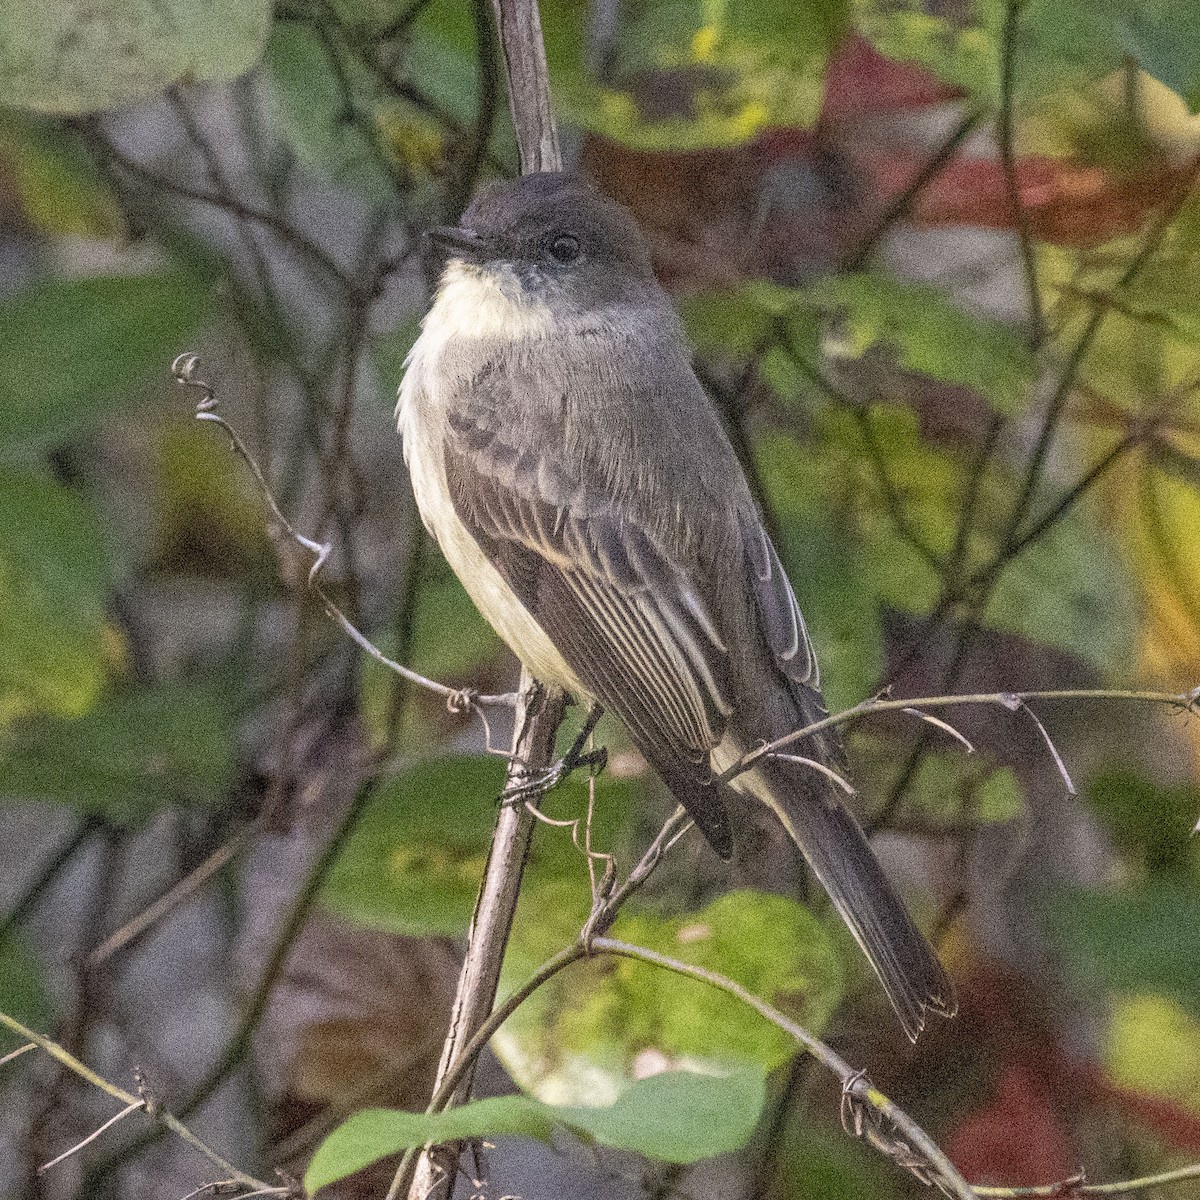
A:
[(631, 625)]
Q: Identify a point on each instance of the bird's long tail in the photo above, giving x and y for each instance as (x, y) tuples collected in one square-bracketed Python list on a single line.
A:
[(836, 848)]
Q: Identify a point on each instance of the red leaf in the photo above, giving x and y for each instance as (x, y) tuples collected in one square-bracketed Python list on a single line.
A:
[(859, 81), (1017, 1139)]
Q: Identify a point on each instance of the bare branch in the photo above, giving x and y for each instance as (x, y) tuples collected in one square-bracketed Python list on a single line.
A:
[(1068, 1189), (872, 1111), (184, 370), (867, 1111), (145, 1103), (1021, 706), (538, 717), (520, 28), (1185, 701), (1008, 162), (12, 1055), (839, 780), (606, 906), (176, 895), (136, 1106), (945, 726)]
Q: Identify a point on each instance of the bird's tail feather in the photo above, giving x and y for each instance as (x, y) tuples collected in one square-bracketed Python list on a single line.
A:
[(837, 851)]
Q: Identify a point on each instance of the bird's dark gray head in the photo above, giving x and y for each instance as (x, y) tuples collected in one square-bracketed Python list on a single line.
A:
[(554, 239)]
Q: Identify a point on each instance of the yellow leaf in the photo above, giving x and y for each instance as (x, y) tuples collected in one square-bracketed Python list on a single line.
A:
[(1154, 1047)]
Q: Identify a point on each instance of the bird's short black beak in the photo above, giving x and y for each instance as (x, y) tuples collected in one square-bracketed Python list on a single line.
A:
[(463, 243)]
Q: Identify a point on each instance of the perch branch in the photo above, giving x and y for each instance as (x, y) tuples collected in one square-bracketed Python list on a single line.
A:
[(539, 714)]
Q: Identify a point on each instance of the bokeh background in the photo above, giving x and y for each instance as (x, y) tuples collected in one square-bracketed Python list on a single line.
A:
[(939, 262)]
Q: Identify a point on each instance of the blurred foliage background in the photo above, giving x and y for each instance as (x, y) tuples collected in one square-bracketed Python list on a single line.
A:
[(940, 264)]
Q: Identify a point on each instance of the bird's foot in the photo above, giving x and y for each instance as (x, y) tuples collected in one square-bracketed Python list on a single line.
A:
[(529, 785)]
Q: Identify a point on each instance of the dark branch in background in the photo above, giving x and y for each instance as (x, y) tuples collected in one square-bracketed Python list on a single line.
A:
[(1008, 163), (466, 172), (292, 926), (48, 874), (898, 209), (247, 229), (352, 113), (1062, 392), (107, 155)]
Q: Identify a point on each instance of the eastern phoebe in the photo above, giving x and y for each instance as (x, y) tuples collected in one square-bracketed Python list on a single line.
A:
[(582, 487)]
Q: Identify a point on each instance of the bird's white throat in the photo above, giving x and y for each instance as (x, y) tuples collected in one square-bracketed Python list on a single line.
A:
[(484, 301)]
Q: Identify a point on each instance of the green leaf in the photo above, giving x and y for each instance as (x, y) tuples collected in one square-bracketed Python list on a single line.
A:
[(318, 118), (22, 987), (1072, 42), (930, 335), (74, 350), (441, 52), (59, 187), (54, 579), (79, 56), (368, 16), (817, 26), (1070, 590), (450, 640), (676, 1116), (1153, 822), (415, 859), (927, 332), (738, 322), (1060, 43), (379, 1132), (579, 1038), (949, 786), (824, 1163), (1135, 940), (961, 50), (928, 481), (135, 753), (1153, 1048)]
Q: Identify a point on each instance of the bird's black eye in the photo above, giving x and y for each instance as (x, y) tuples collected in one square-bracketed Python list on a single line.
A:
[(565, 248)]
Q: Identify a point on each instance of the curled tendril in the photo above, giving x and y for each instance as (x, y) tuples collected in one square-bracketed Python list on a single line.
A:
[(854, 1110), (184, 371)]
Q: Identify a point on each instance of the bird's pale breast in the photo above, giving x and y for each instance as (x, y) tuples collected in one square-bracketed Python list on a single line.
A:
[(470, 304)]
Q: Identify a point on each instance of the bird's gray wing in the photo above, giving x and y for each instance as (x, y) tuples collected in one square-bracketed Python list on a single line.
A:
[(630, 623), (780, 618)]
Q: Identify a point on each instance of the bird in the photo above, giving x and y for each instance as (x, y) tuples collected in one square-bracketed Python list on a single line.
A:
[(581, 485)]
